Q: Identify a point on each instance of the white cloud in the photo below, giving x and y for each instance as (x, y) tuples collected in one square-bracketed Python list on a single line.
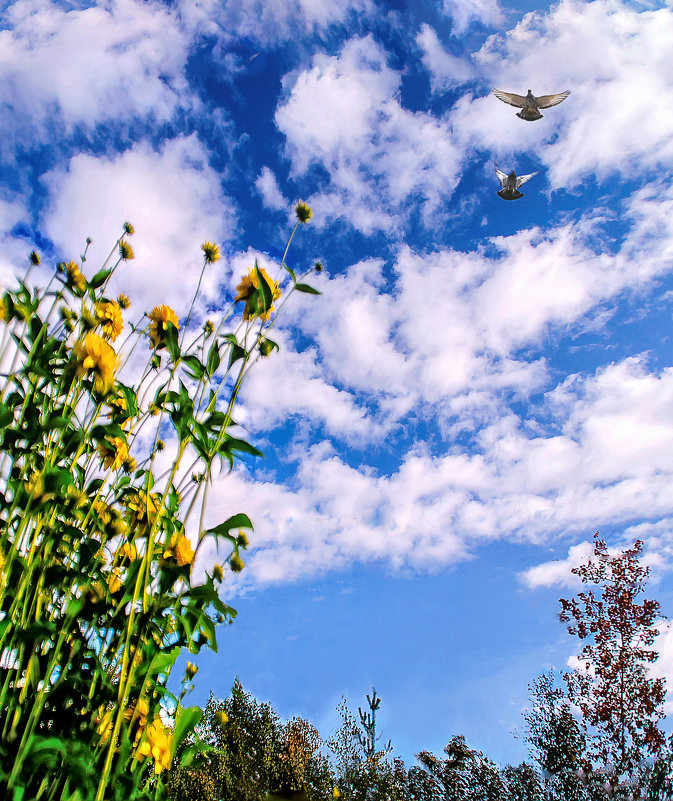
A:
[(344, 114), (619, 117), (63, 68), (174, 200), (463, 12), (446, 70), (267, 186), (269, 22)]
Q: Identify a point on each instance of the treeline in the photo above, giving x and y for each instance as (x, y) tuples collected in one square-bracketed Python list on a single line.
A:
[(594, 733)]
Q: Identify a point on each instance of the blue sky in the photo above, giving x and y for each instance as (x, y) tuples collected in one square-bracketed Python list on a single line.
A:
[(481, 385)]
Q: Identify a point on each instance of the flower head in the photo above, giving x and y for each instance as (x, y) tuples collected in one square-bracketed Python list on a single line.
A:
[(303, 212), (210, 251), (160, 317), (123, 301), (95, 354), (236, 563), (75, 277), (128, 228), (34, 257), (180, 550), (144, 508), (157, 743), (110, 315), (113, 452), (126, 251), (242, 539), (191, 670), (218, 573), (248, 291), (127, 551)]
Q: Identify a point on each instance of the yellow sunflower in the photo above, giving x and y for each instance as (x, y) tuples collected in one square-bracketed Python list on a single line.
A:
[(180, 550), (94, 354), (110, 319), (157, 743), (159, 319), (247, 289), (113, 452)]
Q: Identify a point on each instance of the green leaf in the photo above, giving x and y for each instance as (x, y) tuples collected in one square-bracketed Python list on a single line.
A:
[(264, 289), (188, 718), (306, 288), (99, 279), (232, 444), (171, 340), (6, 416), (195, 367), (213, 358), (237, 521)]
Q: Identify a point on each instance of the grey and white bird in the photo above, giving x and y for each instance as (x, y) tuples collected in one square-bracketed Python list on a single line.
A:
[(511, 183), (530, 105)]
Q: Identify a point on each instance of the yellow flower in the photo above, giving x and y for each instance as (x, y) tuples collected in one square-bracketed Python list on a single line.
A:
[(34, 257), (191, 670), (95, 354), (144, 508), (243, 540), (113, 452), (127, 551), (128, 228), (125, 250), (3, 310), (336, 793), (123, 301), (130, 464), (157, 743), (159, 319), (110, 316), (218, 573), (210, 251), (114, 581), (236, 563), (104, 723), (180, 550), (75, 277), (221, 718), (247, 288), (303, 212)]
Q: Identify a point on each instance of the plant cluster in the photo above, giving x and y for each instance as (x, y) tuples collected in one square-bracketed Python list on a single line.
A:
[(101, 521)]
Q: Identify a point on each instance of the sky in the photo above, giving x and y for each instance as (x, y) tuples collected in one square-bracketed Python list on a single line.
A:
[(481, 385)]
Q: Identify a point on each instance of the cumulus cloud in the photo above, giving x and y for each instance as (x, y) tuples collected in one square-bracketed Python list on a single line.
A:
[(172, 197), (464, 12), (269, 22), (64, 68), (619, 117), (267, 186), (446, 70), (344, 114)]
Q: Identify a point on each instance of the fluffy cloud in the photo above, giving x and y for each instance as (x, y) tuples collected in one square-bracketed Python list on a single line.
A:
[(172, 197), (344, 114), (446, 70), (463, 12), (267, 186), (64, 68), (268, 22), (619, 118)]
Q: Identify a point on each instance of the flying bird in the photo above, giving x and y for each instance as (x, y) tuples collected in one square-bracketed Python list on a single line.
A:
[(530, 105), (511, 183)]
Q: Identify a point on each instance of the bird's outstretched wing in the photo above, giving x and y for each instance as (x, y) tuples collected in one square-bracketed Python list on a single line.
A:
[(501, 175), (546, 101), (508, 97), (521, 179)]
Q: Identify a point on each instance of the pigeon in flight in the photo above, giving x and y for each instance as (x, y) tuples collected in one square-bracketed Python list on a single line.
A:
[(511, 183), (530, 105)]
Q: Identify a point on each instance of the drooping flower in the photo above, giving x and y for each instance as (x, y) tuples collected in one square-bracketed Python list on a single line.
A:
[(113, 451), (110, 316), (210, 251), (236, 563), (126, 251), (157, 743), (180, 550), (303, 212), (160, 316), (123, 301), (95, 354), (34, 257), (128, 228), (75, 277), (247, 291), (144, 509), (191, 670)]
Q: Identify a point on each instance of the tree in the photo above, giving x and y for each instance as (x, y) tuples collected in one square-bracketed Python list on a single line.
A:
[(621, 706), (363, 772)]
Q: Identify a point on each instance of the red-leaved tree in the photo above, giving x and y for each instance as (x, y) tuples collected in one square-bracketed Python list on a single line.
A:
[(620, 703)]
